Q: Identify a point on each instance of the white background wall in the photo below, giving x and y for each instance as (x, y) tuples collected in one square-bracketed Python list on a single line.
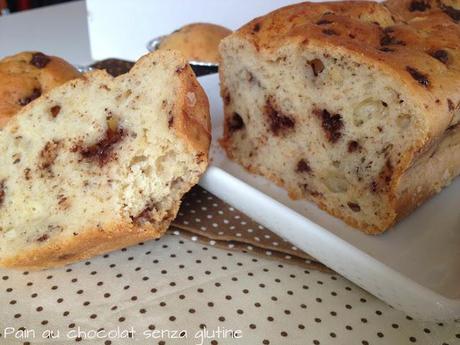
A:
[(121, 28)]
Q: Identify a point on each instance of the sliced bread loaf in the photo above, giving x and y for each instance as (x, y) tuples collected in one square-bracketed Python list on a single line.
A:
[(100, 162), (342, 105)]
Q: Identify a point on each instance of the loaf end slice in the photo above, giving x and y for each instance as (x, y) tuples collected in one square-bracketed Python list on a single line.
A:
[(342, 105), (100, 163)]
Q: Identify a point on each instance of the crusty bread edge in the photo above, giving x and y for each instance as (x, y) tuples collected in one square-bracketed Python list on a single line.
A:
[(88, 243)]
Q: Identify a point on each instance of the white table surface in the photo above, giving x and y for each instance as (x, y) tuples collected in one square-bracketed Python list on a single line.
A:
[(313, 308)]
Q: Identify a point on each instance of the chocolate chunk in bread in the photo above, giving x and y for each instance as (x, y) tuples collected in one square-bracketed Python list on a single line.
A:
[(39, 60)]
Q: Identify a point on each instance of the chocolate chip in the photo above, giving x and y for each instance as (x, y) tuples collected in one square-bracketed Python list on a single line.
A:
[(387, 39), (354, 207), (420, 6), (353, 146), (34, 95), (384, 178), (227, 98), (386, 49), (103, 149), (279, 123), (235, 123), (256, 27), (303, 167), (331, 124), (48, 154), (145, 216), (55, 110), (440, 55), (330, 32), (42, 238), (61, 199), (420, 77), (450, 105), (27, 174), (323, 22), (452, 127), (2, 192), (170, 119), (114, 67), (181, 68), (317, 66), (451, 12), (374, 187), (40, 60)]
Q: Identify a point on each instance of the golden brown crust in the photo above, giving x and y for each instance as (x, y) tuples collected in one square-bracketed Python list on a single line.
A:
[(191, 121), (411, 9), (424, 54), (197, 41), (21, 80), (435, 169), (88, 243)]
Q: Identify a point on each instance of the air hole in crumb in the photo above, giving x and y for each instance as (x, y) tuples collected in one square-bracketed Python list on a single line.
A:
[(403, 121), (369, 108)]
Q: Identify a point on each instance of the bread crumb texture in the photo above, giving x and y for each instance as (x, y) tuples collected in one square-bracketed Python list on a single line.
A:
[(99, 163)]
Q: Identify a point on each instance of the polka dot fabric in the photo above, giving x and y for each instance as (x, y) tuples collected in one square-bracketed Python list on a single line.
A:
[(177, 287), (211, 219)]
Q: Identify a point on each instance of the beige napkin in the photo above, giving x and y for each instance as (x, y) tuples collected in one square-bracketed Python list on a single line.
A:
[(205, 218)]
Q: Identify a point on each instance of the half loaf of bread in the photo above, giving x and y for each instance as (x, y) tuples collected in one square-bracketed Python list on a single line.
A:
[(100, 163), (341, 103)]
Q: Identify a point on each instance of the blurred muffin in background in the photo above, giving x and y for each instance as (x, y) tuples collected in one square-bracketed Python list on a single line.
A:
[(26, 76), (196, 41)]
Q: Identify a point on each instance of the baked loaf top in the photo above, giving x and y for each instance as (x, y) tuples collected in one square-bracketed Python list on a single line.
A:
[(100, 163), (197, 41), (424, 53), (25, 76), (448, 10)]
